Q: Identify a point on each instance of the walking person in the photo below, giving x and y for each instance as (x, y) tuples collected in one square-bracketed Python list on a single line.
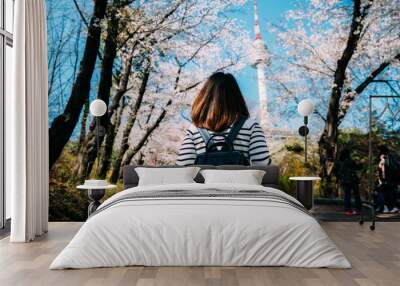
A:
[(346, 173), (389, 172)]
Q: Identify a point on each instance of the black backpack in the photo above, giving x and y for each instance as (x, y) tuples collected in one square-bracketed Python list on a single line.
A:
[(226, 155)]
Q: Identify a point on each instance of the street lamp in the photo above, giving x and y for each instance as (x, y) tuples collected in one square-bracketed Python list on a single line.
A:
[(98, 108), (305, 108)]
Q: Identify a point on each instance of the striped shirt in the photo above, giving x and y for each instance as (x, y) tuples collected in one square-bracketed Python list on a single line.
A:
[(250, 140)]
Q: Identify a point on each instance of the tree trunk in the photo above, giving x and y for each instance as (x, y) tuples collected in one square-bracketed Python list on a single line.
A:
[(114, 111), (82, 137), (129, 125), (63, 125), (328, 140), (112, 127), (82, 132), (149, 131), (112, 132), (89, 152), (130, 153)]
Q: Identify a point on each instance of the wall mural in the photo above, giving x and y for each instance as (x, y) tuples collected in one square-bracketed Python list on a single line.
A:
[(147, 60)]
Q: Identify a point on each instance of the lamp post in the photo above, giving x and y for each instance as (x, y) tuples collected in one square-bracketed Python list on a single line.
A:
[(98, 108), (305, 108), (96, 188)]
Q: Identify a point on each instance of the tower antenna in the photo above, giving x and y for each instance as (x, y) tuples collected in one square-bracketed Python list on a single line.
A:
[(260, 60)]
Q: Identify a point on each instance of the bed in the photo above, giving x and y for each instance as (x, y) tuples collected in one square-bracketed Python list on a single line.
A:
[(198, 224)]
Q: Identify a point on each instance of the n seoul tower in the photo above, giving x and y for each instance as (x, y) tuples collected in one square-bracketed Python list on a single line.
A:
[(260, 60)]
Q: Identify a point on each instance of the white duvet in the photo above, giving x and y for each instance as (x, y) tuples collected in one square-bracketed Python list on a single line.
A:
[(200, 231)]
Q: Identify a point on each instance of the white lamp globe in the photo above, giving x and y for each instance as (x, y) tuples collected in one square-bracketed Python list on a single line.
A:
[(98, 107), (305, 107)]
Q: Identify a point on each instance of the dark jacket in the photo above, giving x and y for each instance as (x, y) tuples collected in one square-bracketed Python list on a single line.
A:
[(346, 172)]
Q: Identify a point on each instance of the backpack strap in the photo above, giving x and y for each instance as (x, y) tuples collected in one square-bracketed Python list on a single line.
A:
[(231, 136), (206, 136), (236, 128)]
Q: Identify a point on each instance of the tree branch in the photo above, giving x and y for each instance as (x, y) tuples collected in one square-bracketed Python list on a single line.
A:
[(78, 8), (350, 95)]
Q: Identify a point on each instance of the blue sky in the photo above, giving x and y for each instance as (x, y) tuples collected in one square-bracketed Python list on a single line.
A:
[(270, 11)]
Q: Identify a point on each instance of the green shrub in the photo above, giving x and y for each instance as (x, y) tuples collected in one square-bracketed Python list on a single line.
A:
[(66, 203), (290, 159), (295, 147)]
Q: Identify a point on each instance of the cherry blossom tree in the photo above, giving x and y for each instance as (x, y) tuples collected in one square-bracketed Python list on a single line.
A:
[(163, 51), (337, 52), (184, 62), (64, 124)]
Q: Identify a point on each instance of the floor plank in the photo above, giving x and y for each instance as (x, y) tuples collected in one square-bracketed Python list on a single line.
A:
[(375, 256)]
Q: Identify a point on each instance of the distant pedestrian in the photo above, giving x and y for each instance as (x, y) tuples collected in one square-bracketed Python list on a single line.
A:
[(389, 172), (346, 174)]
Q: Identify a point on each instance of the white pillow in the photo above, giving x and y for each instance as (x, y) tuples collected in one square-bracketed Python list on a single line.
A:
[(248, 177), (166, 176)]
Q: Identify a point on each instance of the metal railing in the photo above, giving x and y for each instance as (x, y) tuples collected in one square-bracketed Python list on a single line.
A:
[(371, 184)]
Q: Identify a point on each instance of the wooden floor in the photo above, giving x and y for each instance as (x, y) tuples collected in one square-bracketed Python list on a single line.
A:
[(375, 257)]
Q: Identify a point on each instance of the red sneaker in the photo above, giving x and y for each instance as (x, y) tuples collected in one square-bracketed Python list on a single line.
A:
[(348, 213)]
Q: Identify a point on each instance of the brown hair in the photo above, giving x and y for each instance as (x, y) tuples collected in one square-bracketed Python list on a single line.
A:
[(219, 103)]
